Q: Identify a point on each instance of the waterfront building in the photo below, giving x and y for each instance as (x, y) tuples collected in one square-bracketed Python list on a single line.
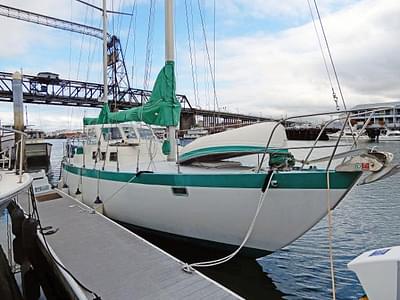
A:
[(389, 118)]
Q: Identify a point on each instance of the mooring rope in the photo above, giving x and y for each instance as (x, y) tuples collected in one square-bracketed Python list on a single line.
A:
[(189, 267), (330, 235)]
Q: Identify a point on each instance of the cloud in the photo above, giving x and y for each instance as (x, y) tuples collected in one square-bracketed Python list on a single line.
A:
[(49, 118), (260, 69), (288, 9), (278, 73)]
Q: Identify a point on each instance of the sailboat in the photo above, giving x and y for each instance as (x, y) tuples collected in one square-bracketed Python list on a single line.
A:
[(198, 192)]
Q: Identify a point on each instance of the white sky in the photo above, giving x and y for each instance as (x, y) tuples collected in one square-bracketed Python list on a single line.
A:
[(268, 60)]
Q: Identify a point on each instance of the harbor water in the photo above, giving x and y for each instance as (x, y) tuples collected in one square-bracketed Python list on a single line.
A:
[(368, 218)]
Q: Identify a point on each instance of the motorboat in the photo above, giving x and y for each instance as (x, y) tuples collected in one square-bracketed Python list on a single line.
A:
[(389, 135), (349, 136)]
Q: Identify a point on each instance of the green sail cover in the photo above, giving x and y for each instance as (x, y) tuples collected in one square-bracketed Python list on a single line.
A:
[(162, 109)]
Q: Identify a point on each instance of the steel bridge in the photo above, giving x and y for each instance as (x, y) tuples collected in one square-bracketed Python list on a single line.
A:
[(52, 90)]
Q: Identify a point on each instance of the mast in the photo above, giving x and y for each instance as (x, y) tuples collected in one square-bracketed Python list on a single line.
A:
[(170, 57), (105, 83)]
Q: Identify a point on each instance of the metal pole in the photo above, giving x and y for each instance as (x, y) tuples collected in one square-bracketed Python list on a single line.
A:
[(169, 30), (169, 56), (21, 157), (18, 105), (105, 79)]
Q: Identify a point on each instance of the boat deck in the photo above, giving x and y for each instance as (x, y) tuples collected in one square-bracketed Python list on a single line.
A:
[(114, 262)]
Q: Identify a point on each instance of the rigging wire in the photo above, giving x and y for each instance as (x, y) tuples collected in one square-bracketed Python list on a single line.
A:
[(190, 53), (334, 70), (134, 45), (132, 18), (194, 52), (81, 48), (149, 45), (91, 48), (95, 50), (208, 54), (113, 18), (335, 98), (214, 53), (330, 55), (101, 9), (70, 45), (119, 17)]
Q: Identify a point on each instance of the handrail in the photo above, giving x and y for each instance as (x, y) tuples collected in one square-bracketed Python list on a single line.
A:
[(20, 146), (348, 115), (13, 130)]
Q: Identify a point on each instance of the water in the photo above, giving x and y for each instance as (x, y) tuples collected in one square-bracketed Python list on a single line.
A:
[(368, 218)]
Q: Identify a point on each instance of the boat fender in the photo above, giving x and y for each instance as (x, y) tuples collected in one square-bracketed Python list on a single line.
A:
[(78, 192), (29, 235), (141, 172), (98, 201), (18, 252), (166, 147), (266, 180), (98, 205), (31, 285), (17, 218)]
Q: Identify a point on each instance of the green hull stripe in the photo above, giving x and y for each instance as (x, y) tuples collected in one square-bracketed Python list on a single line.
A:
[(226, 150), (307, 179)]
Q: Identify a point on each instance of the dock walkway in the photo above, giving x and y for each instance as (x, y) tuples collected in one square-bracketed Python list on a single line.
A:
[(114, 262)]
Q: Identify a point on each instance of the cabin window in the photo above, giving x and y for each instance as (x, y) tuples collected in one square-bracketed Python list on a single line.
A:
[(145, 133), (129, 133), (102, 156), (94, 154), (112, 133), (91, 139), (113, 156)]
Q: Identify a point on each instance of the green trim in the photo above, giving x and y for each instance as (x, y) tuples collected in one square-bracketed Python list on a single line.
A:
[(226, 149), (307, 179)]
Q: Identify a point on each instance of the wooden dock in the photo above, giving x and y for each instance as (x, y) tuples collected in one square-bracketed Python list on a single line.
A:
[(112, 261)]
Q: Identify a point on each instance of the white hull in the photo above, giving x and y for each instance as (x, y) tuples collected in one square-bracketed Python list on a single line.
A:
[(335, 137), (220, 215), (384, 138)]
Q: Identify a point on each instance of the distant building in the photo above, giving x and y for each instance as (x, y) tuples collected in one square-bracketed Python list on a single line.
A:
[(389, 118), (64, 134)]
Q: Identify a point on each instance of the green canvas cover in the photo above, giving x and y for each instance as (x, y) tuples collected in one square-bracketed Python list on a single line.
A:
[(162, 109)]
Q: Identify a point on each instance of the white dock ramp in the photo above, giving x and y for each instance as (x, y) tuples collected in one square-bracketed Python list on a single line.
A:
[(115, 263)]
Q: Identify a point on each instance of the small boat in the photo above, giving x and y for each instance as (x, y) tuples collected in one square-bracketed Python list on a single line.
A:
[(389, 135), (11, 183), (349, 136), (194, 133), (37, 150), (41, 185)]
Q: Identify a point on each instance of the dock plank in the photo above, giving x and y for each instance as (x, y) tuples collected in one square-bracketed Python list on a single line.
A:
[(113, 261)]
